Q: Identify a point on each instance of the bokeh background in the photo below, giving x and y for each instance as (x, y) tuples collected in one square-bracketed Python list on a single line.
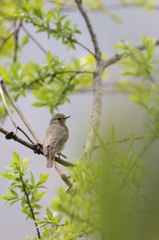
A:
[(116, 109)]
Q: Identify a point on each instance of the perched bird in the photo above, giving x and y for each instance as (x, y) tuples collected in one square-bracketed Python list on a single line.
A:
[(55, 138)]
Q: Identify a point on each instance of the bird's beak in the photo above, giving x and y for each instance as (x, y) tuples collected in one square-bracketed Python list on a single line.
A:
[(67, 117)]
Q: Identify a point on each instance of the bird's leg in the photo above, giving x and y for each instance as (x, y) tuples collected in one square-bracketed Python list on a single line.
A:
[(60, 154)]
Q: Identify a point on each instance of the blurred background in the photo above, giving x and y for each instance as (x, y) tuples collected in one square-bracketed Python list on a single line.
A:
[(116, 109)]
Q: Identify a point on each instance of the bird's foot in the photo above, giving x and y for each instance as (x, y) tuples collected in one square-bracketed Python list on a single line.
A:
[(38, 147)]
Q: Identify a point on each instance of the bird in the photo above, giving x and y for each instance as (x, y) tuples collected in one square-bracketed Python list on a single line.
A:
[(55, 138)]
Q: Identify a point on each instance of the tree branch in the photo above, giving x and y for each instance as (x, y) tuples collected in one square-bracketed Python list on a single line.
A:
[(6, 39), (31, 209), (63, 176), (34, 40), (1, 92), (56, 73), (97, 100), (34, 148), (90, 29), (117, 57), (124, 5), (16, 41), (73, 40), (136, 161), (121, 141), (19, 111)]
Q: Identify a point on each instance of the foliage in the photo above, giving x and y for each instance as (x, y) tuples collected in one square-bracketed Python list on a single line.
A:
[(107, 194), (16, 172)]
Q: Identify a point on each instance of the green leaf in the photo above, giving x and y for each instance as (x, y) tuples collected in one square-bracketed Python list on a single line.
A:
[(42, 178), (49, 213), (37, 206), (40, 196), (5, 75), (14, 193), (6, 175), (38, 13), (49, 57), (32, 179), (13, 202), (57, 8), (25, 39), (16, 157), (26, 6), (6, 197), (55, 220)]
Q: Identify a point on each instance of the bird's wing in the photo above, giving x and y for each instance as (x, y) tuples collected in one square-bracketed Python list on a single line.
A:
[(58, 140), (55, 136)]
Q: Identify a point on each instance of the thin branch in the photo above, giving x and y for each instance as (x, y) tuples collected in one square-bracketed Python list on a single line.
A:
[(6, 39), (73, 40), (121, 141), (34, 148), (25, 135), (64, 91), (130, 170), (143, 196), (56, 73), (30, 206), (68, 38), (12, 119), (108, 6), (63, 176), (10, 27), (139, 63), (90, 29), (19, 111), (117, 57), (16, 41), (34, 40), (124, 5), (4, 101), (143, 211)]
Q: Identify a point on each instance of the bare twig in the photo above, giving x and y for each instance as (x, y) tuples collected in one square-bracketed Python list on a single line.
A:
[(63, 176), (90, 29), (73, 40), (1, 92), (34, 40), (34, 148), (25, 135), (30, 206), (19, 111)]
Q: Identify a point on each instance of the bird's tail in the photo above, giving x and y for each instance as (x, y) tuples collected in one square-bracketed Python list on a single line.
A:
[(50, 162)]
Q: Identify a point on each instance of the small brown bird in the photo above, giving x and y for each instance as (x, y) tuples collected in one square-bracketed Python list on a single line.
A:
[(55, 138)]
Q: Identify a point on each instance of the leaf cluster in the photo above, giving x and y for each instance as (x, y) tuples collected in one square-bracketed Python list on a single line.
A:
[(30, 194)]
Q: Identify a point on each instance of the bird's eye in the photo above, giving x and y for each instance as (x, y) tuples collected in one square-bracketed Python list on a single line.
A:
[(59, 119)]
